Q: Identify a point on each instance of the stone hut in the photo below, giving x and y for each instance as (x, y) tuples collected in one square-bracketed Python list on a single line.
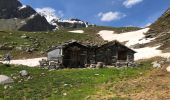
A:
[(113, 52), (73, 54)]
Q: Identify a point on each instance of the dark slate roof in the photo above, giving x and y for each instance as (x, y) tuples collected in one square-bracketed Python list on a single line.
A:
[(114, 42), (66, 44)]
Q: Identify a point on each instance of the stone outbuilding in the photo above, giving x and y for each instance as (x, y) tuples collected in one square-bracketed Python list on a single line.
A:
[(73, 54)]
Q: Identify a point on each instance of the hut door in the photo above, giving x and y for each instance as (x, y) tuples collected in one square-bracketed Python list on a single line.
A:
[(75, 57), (122, 55)]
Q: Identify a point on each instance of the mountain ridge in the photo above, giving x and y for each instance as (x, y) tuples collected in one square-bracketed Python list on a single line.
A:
[(21, 17), (60, 23), (160, 30)]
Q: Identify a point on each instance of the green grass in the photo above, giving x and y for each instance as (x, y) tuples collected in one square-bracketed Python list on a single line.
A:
[(94, 30), (44, 39), (77, 84)]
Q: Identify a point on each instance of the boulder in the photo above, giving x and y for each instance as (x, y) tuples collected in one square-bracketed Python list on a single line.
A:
[(100, 65), (24, 36), (18, 48), (24, 73), (93, 66), (5, 79), (87, 65), (132, 64), (156, 64)]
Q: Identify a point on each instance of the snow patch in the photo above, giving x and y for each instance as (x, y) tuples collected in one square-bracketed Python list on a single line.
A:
[(77, 31), (27, 62), (22, 7), (131, 38), (149, 52), (32, 16)]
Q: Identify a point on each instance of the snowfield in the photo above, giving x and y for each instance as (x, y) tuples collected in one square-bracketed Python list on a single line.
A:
[(132, 38), (27, 62), (77, 31)]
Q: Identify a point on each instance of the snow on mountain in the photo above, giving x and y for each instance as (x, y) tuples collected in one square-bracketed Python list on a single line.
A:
[(53, 19), (22, 7), (73, 21), (48, 13)]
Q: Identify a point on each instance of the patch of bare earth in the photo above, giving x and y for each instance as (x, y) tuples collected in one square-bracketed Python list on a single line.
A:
[(153, 86)]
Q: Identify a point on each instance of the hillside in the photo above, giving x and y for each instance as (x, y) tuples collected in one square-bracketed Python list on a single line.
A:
[(35, 44), (161, 31), (142, 82), (162, 24), (67, 84)]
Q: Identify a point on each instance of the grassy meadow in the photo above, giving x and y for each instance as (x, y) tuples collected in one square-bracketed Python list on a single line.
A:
[(66, 84)]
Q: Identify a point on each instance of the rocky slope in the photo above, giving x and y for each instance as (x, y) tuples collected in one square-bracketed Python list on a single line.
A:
[(162, 24), (160, 30), (15, 16)]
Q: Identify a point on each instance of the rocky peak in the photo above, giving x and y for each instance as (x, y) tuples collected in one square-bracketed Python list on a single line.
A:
[(25, 11), (15, 16), (9, 4), (8, 8)]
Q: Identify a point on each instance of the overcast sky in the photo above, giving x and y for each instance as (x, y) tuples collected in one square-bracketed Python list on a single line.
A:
[(106, 12)]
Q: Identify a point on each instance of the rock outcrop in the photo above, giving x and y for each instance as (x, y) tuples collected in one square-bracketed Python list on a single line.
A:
[(160, 30), (5, 79), (162, 24), (15, 16)]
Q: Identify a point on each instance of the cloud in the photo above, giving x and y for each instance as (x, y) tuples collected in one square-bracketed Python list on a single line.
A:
[(50, 13), (110, 16), (130, 3)]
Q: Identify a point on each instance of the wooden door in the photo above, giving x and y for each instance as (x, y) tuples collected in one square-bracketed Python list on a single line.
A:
[(75, 57)]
